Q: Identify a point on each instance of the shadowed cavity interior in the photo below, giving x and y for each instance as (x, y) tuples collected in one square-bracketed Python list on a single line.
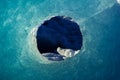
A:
[(59, 31)]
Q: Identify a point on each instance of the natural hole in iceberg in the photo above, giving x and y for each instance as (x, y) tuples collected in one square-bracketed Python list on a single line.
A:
[(59, 38)]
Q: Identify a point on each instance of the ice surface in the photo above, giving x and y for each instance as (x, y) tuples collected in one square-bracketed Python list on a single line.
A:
[(118, 1), (99, 58)]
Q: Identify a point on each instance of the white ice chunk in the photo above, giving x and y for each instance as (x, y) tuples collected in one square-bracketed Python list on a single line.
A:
[(118, 1), (67, 52)]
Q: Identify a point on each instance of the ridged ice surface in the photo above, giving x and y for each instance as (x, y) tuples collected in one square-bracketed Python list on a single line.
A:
[(99, 58)]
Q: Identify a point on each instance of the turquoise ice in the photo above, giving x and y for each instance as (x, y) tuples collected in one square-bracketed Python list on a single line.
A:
[(98, 59)]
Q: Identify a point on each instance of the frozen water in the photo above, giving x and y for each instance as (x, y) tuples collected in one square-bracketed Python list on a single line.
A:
[(118, 1), (99, 58)]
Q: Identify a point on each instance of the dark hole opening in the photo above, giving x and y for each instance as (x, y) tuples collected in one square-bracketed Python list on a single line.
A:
[(59, 31)]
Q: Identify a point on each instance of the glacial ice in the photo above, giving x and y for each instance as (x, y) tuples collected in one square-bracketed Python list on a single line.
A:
[(99, 58)]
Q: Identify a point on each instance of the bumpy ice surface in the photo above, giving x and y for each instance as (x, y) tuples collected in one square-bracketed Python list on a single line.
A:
[(99, 59)]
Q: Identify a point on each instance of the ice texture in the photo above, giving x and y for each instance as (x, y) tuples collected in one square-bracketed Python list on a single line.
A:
[(99, 59)]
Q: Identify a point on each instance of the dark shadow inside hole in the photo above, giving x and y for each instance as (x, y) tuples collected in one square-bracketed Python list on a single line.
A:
[(61, 32)]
